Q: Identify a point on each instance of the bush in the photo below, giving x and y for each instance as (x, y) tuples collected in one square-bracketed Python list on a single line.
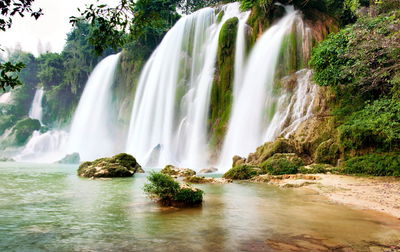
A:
[(164, 188), (387, 164), (280, 166), (378, 124), (327, 153), (242, 172)]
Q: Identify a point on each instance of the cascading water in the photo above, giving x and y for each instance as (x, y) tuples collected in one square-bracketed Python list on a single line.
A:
[(170, 110), (36, 110), (91, 133), (45, 148), (253, 119)]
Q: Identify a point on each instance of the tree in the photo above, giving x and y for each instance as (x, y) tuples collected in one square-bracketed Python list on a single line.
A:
[(10, 8)]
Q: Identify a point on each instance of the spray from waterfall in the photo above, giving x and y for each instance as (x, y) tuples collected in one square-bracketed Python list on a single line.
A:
[(91, 133), (170, 111)]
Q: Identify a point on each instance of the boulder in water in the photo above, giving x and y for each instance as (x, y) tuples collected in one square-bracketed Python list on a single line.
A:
[(177, 172), (73, 158), (121, 165), (204, 180), (208, 170)]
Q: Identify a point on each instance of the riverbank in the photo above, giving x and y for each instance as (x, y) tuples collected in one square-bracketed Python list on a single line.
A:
[(368, 193)]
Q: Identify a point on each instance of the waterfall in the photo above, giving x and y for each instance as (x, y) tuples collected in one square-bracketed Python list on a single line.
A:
[(91, 133), (171, 105), (36, 110), (259, 114), (48, 147)]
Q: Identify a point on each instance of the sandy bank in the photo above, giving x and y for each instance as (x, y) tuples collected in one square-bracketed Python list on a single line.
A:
[(377, 193)]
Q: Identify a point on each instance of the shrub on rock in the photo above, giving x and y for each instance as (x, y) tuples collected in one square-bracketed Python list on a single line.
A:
[(167, 191), (121, 165)]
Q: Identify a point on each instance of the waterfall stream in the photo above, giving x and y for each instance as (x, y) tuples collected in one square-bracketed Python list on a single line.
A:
[(91, 133), (36, 111), (170, 110)]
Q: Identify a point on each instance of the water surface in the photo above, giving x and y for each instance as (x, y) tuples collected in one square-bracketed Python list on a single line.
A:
[(49, 208)]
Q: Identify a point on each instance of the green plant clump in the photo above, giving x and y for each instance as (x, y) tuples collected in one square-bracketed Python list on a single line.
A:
[(280, 165), (24, 129), (387, 164), (242, 172), (165, 189)]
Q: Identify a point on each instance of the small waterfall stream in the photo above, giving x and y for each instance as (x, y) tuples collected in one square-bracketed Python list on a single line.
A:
[(36, 111)]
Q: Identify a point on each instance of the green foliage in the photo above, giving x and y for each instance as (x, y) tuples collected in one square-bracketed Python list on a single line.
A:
[(242, 172), (221, 93), (168, 191), (386, 164), (315, 169), (281, 164), (188, 196), (378, 124), (327, 153), (9, 71), (23, 130)]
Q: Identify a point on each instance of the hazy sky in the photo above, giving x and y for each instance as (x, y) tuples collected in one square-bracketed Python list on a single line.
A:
[(50, 29)]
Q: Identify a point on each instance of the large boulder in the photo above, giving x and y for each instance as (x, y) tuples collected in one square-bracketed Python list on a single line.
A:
[(177, 172), (73, 158), (242, 172), (121, 165), (208, 170)]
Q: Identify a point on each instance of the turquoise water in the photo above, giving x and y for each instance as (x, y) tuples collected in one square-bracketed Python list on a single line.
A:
[(49, 208)]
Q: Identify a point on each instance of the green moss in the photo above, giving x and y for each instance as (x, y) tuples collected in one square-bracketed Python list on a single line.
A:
[(220, 16), (280, 145), (327, 153), (282, 163), (385, 164), (196, 180), (23, 130), (242, 172), (221, 93), (121, 165)]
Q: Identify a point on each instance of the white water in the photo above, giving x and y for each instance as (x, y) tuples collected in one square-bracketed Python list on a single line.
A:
[(171, 105), (91, 132), (36, 111), (253, 120), (48, 147)]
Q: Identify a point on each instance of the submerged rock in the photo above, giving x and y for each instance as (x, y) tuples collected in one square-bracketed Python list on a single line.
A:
[(208, 170), (177, 172), (73, 158), (121, 165)]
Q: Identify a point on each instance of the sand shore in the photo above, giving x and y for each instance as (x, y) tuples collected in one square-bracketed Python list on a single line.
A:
[(368, 193)]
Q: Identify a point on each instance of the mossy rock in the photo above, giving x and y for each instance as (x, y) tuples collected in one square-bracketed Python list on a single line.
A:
[(282, 163), (121, 165), (264, 152), (328, 152), (177, 172), (242, 172), (73, 158)]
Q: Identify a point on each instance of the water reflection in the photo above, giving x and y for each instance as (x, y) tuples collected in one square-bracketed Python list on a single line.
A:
[(49, 208)]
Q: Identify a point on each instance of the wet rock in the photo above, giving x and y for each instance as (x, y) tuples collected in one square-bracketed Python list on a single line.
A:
[(73, 158), (121, 165), (208, 170), (177, 172)]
